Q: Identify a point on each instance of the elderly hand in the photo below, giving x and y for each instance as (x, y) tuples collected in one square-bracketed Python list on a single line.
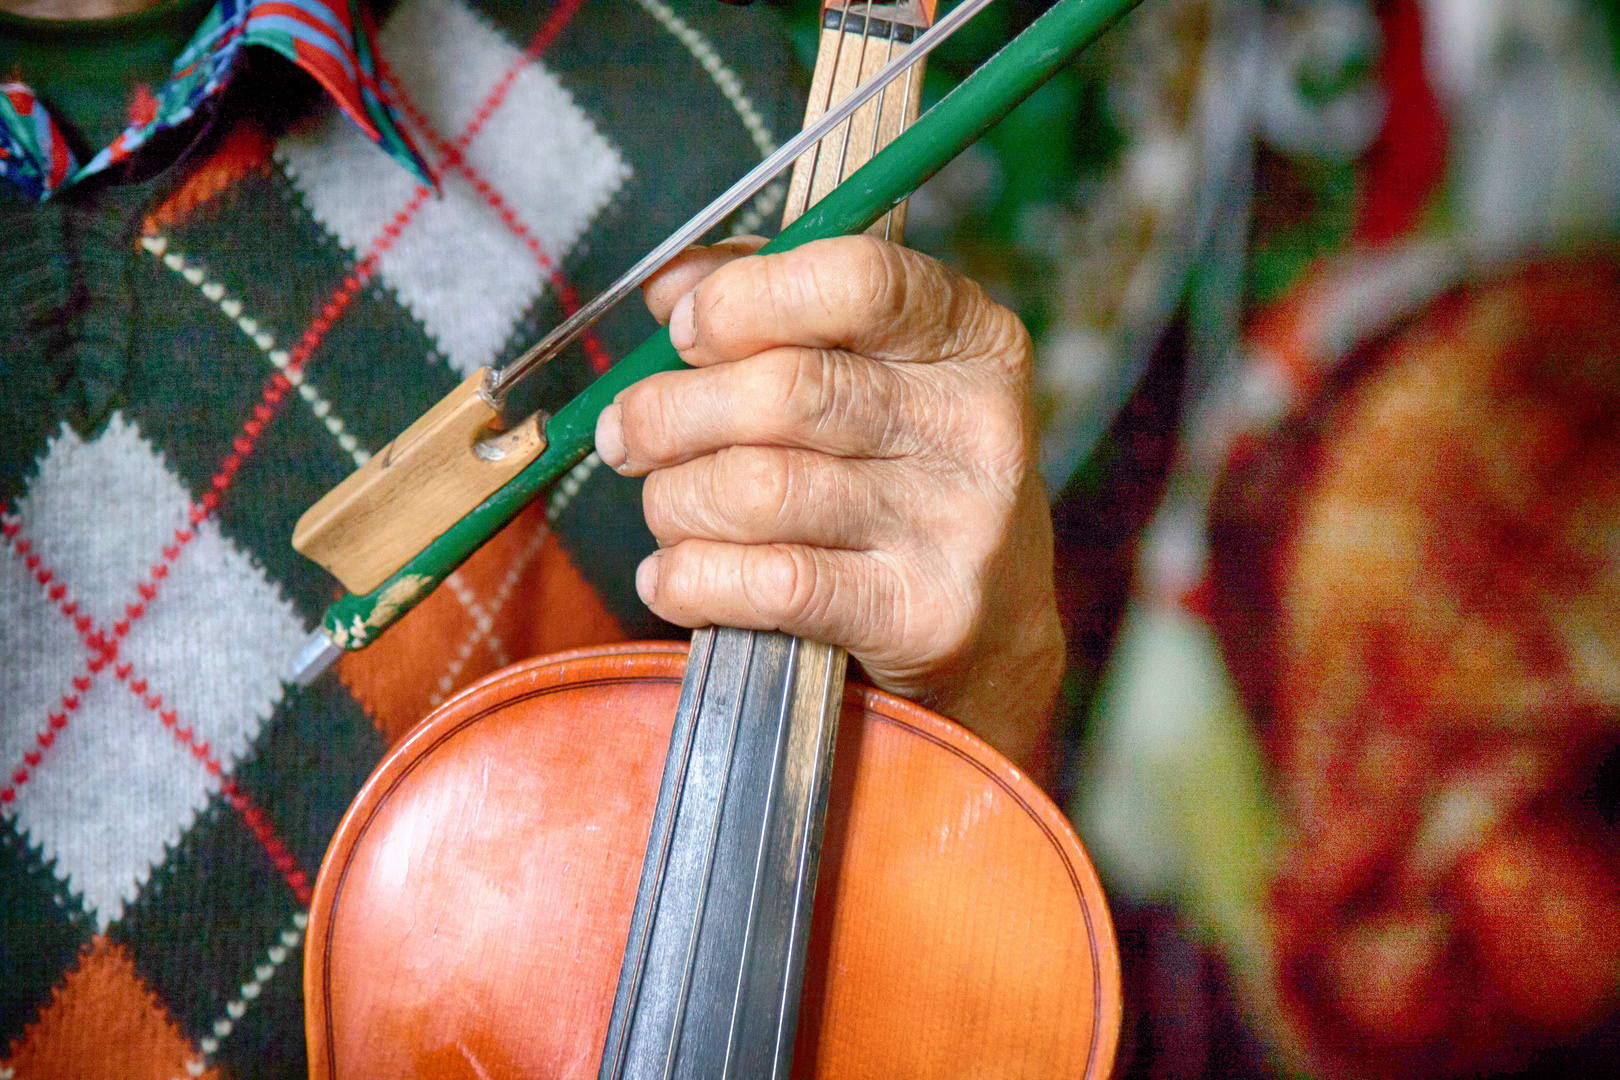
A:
[(851, 460)]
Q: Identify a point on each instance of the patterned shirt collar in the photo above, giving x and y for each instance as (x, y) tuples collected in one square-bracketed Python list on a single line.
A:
[(329, 40)]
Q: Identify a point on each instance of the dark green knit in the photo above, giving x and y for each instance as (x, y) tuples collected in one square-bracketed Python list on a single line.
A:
[(96, 324)]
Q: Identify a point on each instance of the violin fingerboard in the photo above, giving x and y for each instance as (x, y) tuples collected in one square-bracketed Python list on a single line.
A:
[(709, 987), (856, 41)]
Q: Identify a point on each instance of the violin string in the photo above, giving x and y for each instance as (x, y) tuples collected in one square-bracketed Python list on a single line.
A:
[(877, 122), (877, 117), (832, 688), (497, 384), (847, 135), (644, 945), (905, 122), (832, 83), (784, 716), (711, 850)]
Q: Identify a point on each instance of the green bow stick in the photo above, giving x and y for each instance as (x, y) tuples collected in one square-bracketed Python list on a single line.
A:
[(977, 104)]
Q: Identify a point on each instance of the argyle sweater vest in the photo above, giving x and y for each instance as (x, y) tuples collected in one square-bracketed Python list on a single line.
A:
[(191, 361)]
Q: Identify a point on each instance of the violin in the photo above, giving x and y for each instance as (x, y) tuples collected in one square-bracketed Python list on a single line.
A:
[(474, 911), (654, 862)]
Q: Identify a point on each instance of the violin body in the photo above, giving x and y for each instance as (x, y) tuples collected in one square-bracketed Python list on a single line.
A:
[(473, 910)]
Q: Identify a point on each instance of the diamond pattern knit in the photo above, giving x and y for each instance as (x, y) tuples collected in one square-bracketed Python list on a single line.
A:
[(191, 361)]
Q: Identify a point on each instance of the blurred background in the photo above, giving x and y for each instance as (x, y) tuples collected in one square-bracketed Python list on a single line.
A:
[(1325, 305)]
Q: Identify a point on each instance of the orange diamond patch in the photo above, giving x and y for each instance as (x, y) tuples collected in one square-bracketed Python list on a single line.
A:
[(517, 597), (102, 1023)]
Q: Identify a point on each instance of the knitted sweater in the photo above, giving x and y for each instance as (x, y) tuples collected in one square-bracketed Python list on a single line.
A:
[(191, 360)]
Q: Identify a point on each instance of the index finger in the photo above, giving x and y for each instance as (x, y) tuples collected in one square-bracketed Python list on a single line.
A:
[(854, 293), (681, 274)]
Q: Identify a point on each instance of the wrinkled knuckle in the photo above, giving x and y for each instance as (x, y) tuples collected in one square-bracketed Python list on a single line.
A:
[(779, 584), (837, 391), (948, 610), (798, 388), (984, 331), (1002, 338), (889, 606), (854, 395), (1014, 342), (960, 623), (1003, 438), (864, 274), (873, 257), (760, 484), (953, 636), (779, 287), (934, 407), (885, 269)]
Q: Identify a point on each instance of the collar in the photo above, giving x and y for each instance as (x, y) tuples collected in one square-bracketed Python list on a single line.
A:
[(329, 39)]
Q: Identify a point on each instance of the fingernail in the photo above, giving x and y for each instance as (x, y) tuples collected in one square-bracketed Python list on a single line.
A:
[(682, 334), (610, 436), (647, 579)]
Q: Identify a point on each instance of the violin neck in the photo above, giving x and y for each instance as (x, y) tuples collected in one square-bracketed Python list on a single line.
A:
[(857, 39), (709, 987)]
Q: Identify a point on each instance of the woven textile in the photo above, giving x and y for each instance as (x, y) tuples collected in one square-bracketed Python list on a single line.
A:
[(189, 363), (318, 37)]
